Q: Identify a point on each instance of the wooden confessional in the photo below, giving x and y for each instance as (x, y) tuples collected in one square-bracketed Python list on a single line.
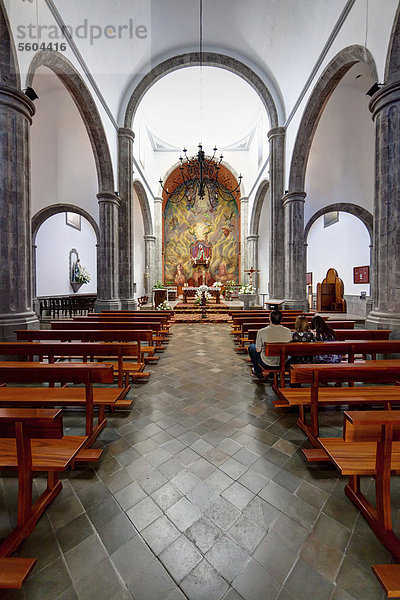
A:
[(330, 293)]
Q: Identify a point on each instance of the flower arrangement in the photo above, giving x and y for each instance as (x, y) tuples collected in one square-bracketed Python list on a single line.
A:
[(158, 285), (229, 287), (247, 289), (82, 275), (199, 294), (164, 306), (217, 284)]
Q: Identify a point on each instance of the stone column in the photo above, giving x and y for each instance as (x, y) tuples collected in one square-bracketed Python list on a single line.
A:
[(107, 258), (276, 137), (16, 112), (149, 256), (244, 227), (125, 220), (385, 107), (295, 250), (159, 251), (252, 256)]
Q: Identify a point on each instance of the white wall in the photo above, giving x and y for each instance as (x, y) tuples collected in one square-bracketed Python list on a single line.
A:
[(263, 246), (341, 161), (63, 166), (139, 250), (341, 246), (54, 241)]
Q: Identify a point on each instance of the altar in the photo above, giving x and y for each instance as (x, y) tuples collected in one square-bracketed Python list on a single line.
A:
[(190, 292)]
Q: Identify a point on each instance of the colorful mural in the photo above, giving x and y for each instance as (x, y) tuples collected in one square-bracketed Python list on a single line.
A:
[(208, 227)]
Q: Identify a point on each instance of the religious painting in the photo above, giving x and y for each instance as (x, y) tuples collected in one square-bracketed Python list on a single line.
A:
[(361, 274), (201, 231)]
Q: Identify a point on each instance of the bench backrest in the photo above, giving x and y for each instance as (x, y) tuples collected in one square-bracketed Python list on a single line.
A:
[(141, 335), (87, 373), (95, 324), (57, 348), (38, 423), (374, 371)]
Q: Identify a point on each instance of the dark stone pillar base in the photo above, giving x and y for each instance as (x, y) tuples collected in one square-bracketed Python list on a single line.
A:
[(9, 323), (376, 320), (106, 305), (129, 304), (293, 304)]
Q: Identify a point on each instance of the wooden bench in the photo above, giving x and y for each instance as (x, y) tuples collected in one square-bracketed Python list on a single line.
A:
[(155, 327), (389, 578), (378, 458), (242, 333), (81, 373), (373, 371), (343, 334), (349, 348), (163, 320), (84, 351), (31, 440)]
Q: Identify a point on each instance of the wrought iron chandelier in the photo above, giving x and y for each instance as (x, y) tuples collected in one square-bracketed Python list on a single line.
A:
[(199, 173)]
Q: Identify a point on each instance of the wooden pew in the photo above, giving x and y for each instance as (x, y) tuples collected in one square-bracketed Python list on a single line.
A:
[(377, 458), (81, 373), (373, 371), (92, 335), (31, 440), (344, 334), (349, 348), (155, 327), (84, 351), (242, 334), (163, 320)]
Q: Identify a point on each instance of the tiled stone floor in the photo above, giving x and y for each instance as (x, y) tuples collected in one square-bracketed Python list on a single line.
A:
[(202, 493)]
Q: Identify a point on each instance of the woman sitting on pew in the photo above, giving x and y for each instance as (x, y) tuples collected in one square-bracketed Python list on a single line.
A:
[(324, 333), (302, 333)]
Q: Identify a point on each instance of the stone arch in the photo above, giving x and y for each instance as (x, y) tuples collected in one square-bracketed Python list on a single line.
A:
[(358, 211), (144, 206), (257, 207), (392, 70), (9, 73), (40, 217), (210, 59), (324, 88), (86, 106)]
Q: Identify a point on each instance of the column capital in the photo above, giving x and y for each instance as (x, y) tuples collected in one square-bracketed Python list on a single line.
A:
[(158, 200), (110, 197), (149, 238), (244, 200), (127, 133), (293, 197), (252, 237), (387, 94), (276, 132), (16, 100)]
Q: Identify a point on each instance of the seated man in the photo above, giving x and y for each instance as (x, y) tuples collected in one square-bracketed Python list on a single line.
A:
[(275, 332)]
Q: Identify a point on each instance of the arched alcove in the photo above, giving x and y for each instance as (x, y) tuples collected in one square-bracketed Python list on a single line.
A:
[(9, 73), (313, 111), (55, 237), (342, 245), (192, 59), (86, 106)]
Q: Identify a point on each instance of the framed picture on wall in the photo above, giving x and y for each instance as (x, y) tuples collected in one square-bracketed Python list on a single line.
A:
[(73, 220), (331, 218), (361, 274)]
